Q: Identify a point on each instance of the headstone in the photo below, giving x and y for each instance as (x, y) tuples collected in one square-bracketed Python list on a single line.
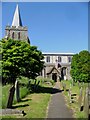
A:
[(86, 102), (10, 112), (69, 93), (80, 99), (10, 97), (17, 92)]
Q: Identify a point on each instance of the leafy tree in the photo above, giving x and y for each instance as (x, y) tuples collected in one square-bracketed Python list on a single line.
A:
[(74, 67), (80, 66), (84, 64), (19, 58)]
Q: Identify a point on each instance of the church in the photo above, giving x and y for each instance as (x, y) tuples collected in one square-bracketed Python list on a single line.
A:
[(57, 65), (17, 31)]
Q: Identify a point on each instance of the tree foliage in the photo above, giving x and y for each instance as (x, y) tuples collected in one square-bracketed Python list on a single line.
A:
[(80, 66), (19, 58)]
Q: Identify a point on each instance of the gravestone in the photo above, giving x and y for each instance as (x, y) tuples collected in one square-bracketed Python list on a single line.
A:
[(10, 97), (69, 94), (17, 92), (80, 99), (86, 102)]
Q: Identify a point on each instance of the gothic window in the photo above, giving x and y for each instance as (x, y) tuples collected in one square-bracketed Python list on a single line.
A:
[(19, 35), (13, 35), (59, 59), (48, 59), (69, 59)]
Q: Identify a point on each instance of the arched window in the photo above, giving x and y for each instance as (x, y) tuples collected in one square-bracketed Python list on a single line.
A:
[(13, 35), (19, 35)]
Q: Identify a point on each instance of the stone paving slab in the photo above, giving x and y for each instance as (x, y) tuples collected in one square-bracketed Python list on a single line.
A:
[(57, 107)]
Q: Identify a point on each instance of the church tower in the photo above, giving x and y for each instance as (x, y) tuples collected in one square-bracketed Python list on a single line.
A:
[(17, 31)]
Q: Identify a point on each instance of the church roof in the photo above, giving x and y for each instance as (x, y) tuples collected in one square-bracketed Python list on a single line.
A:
[(55, 54), (17, 19), (51, 69)]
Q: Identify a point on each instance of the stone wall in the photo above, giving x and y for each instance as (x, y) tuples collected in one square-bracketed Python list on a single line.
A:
[(22, 30), (54, 63)]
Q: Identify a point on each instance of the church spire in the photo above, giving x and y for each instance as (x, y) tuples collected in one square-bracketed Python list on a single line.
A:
[(17, 19)]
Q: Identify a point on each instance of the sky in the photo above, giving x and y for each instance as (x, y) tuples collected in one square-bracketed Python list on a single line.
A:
[(52, 26)]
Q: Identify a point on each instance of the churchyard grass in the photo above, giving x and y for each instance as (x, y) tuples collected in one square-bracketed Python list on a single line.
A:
[(35, 103), (5, 93), (75, 90)]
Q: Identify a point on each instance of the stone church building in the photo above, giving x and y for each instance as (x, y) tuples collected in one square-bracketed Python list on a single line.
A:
[(57, 65)]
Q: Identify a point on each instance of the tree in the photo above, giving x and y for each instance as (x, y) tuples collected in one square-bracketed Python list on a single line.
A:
[(80, 66), (74, 67), (19, 58), (84, 64)]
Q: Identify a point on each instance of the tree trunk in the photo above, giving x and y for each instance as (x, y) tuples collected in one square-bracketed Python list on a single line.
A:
[(10, 97)]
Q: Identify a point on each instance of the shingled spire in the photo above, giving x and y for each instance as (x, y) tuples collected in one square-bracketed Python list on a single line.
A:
[(17, 19)]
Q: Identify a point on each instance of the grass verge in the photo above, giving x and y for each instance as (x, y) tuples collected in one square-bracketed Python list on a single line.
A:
[(75, 105)]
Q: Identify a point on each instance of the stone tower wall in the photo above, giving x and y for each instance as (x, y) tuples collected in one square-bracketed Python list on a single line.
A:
[(23, 32)]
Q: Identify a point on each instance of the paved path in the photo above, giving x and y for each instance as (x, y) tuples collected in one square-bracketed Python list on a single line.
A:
[(57, 107)]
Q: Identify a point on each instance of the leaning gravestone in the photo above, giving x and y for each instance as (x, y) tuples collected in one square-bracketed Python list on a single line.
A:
[(17, 93), (10, 97)]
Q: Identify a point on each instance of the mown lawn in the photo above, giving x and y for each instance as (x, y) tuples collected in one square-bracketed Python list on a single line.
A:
[(34, 103), (75, 90)]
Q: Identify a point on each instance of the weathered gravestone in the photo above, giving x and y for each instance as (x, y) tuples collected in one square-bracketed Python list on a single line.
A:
[(86, 102), (69, 94), (80, 100), (10, 97), (17, 92), (7, 112)]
